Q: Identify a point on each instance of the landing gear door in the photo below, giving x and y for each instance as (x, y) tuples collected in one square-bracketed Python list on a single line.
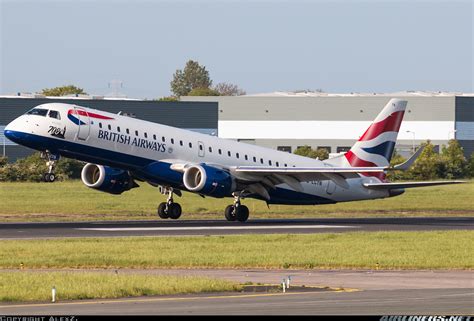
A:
[(84, 127), (201, 149)]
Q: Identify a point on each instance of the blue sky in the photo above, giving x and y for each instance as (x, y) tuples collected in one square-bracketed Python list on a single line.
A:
[(262, 46)]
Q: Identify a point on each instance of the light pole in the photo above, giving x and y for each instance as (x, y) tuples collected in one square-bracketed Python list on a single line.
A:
[(413, 142)]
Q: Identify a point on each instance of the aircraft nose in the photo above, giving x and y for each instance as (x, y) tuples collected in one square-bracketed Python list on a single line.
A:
[(10, 131)]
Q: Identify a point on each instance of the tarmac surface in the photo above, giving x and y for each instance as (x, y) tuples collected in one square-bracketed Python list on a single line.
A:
[(365, 292), (221, 227)]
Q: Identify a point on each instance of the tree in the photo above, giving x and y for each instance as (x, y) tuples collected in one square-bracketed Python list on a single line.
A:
[(228, 89), (454, 163), (307, 151), (193, 76), (203, 92), (471, 166), (63, 90), (427, 165)]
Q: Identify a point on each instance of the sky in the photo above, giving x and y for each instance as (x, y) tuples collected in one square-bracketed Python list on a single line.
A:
[(262, 46)]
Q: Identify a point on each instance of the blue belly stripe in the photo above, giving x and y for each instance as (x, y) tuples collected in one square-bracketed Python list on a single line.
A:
[(148, 169)]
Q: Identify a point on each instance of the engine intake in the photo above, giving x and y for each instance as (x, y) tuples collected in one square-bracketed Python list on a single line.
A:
[(208, 180), (107, 179)]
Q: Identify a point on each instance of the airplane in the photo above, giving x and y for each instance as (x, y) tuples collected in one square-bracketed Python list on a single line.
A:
[(120, 150)]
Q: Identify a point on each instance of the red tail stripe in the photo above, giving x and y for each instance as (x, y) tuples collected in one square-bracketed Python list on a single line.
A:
[(357, 162), (390, 124)]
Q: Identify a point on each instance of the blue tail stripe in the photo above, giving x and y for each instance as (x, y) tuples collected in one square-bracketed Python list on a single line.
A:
[(385, 149)]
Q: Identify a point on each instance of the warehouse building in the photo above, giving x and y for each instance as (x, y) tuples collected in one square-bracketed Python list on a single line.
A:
[(283, 120), (286, 120), (197, 116)]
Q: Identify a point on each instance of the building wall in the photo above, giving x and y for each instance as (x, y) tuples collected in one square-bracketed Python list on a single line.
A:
[(330, 121), (465, 123), (199, 116)]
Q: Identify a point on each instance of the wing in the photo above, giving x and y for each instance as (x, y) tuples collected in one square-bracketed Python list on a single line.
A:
[(258, 178), (386, 186)]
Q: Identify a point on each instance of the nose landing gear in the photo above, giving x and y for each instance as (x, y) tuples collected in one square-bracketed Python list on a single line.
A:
[(52, 159), (169, 209)]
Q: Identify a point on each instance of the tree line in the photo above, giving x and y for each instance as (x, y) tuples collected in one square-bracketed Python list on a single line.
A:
[(193, 80), (430, 165)]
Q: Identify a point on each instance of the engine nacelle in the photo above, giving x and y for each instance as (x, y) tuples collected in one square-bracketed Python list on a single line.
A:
[(208, 180), (107, 179)]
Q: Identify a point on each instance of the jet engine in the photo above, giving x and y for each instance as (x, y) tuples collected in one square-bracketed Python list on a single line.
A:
[(107, 179), (208, 180)]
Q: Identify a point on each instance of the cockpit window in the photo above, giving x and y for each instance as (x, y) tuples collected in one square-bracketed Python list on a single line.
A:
[(38, 111), (54, 114)]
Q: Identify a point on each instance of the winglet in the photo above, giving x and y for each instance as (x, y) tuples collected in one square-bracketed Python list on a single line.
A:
[(407, 164)]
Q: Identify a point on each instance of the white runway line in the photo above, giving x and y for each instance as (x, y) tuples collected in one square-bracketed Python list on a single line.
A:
[(205, 228)]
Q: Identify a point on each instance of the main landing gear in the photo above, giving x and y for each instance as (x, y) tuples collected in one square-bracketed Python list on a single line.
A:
[(52, 159), (237, 211), (169, 209)]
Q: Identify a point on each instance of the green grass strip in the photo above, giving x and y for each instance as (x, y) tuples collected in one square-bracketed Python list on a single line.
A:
[(28, 286), (391, 250), (73, 201)]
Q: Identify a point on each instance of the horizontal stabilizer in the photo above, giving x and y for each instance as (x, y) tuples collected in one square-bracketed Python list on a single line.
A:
[(385, 186), (407, 164)]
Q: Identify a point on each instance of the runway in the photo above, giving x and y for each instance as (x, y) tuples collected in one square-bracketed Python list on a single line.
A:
[(378, 292), (218, 227)]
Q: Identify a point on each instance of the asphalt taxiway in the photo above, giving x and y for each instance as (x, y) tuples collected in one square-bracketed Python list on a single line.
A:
[(222, 227), (377, 292)]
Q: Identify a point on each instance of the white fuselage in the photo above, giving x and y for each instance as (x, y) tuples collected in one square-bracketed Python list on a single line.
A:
[(131, 144)]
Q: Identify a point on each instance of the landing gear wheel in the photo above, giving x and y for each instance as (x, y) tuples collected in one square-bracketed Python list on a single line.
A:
[(242, 213), (229, 213), (49, 177), (174, 211), (162, 212)]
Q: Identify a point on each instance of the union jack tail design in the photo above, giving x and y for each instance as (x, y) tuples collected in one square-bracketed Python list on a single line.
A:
[(375, 147)]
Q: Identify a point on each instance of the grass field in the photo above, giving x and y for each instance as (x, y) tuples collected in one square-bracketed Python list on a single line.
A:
[(391, 250), (72, 201), (27, 286)]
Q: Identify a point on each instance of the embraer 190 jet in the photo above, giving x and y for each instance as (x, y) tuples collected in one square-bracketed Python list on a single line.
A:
[(121, 150)]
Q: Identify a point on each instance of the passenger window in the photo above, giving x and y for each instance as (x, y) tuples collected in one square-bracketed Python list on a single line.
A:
[(136, 133), (270, 162), (163, 139), (228, 153), (190, 145), (277, 164), (237, 155), (109, 127), (118, 129), (128, 131), (181, 142), (254, 159), (154, 136), (172, 140), (54, 114), (286, 165), (100, 125), (246, 157), (261, 160), (220, 151), (200, 147), (146, 135), (210, 149)]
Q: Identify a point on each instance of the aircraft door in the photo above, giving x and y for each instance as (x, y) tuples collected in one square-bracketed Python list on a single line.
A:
[(201, 149), (331, 187), (84, 127)]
